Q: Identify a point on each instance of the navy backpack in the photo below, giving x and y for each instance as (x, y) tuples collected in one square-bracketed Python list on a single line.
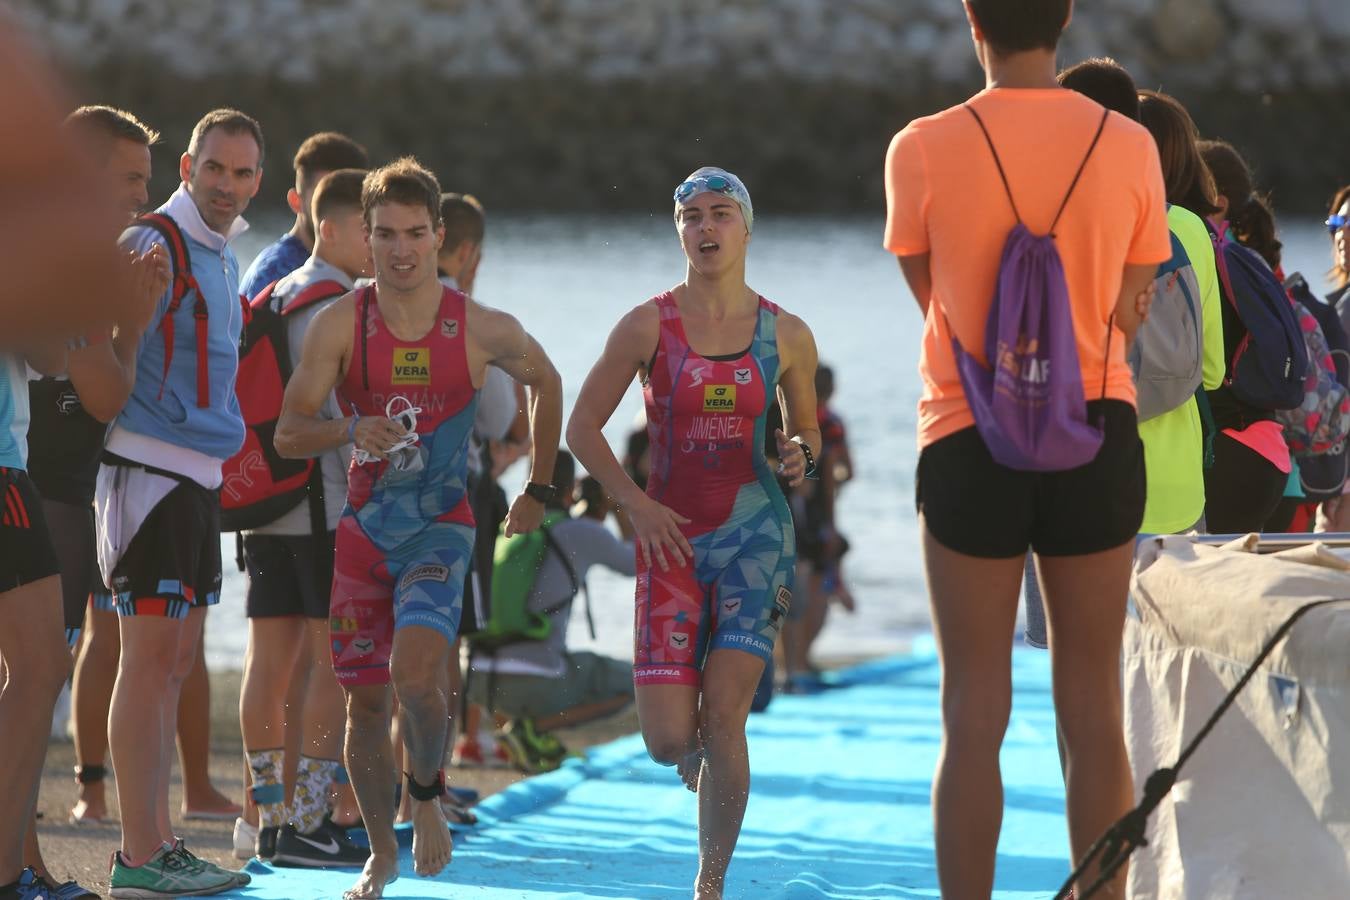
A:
[(1269, 364)]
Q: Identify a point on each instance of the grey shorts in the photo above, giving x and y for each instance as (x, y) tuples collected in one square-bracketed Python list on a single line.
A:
[(590, 678)]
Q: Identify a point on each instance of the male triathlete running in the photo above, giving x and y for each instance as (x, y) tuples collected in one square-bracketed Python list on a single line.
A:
[(407, 356), (713, 531)]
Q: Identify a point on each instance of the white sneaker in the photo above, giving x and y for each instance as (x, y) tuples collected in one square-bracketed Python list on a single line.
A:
[(245, 839)]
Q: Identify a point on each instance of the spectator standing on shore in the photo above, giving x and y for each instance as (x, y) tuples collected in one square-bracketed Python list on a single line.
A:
[(320, 154), (157, 507), (1109, 230), (290, 571), (1335, 514)]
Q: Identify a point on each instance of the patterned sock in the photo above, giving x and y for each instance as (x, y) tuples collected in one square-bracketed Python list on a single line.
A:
[(313, 781), (267, 790)]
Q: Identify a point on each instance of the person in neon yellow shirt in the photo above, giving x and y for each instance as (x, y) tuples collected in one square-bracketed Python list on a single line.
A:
[(1174, 441)]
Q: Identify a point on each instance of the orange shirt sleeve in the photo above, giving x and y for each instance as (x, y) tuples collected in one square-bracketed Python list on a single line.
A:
[(906, 195), (1151, 241)]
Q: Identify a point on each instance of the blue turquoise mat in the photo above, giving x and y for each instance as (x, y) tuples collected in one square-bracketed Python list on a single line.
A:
[(838, 808)]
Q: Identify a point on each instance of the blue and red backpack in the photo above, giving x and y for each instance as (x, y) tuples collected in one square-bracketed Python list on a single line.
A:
[(259, 485)]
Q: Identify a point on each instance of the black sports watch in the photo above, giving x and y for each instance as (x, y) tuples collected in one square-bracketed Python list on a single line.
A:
[(544, 493)]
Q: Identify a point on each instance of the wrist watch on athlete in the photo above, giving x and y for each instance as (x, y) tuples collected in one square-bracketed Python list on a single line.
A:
[(544, 493)]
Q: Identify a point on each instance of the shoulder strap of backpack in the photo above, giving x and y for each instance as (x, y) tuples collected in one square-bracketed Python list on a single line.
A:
[(263, 297), (1003, 176), (183, 282), (317, 292), (365, 333), (1101, 126), (578, 585)]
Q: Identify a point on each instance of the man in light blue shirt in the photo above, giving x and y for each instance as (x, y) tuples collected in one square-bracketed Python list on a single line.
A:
[(157, 507)]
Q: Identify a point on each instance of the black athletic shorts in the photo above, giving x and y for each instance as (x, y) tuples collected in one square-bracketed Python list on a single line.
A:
[(289, 575), (72, 531), (173, 562), (26, 553), (975, 506)]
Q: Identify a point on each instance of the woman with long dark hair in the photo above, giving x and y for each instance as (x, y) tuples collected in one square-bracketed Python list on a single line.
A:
[(1251, 464)]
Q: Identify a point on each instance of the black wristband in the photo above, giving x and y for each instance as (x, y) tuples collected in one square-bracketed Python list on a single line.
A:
[(810, 457), (544, 493)]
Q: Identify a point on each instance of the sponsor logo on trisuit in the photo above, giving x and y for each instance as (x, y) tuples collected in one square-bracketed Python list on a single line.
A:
[(731, 606), (364, 645), (412, 365), (742, 376), (450, 328), (782, 602), (428, 572), (679, 641), (719, 397)]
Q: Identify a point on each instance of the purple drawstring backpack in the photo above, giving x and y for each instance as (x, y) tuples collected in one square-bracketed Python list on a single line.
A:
[(1030, 408)]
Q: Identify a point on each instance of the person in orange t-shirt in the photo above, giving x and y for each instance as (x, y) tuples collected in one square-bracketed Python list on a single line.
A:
[(948, 216)]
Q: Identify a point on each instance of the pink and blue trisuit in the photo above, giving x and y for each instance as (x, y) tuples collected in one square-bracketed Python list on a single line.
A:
[(706, 420), (406, 534)]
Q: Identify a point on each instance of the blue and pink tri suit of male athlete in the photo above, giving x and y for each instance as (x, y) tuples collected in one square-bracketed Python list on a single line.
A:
[(706, 420), (406, 534)]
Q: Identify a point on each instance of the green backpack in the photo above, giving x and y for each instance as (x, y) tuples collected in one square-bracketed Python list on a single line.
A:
[(515, 565)]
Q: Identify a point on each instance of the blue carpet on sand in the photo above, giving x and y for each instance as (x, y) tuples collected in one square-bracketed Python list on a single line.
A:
[(839, 808)]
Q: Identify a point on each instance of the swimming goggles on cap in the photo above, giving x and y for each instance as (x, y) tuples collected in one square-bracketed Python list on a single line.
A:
[(1335, 222), (718, 184)]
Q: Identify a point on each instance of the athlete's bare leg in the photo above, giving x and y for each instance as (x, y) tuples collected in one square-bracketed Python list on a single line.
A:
[(36, 663), (974, 607), (729, 681), (372, 773), (91, 692), (668, 717), (417, 666), (1085, 600), (194, 744)]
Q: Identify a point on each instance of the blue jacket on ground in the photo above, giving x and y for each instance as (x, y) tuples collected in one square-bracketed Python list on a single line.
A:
[(216, 431)]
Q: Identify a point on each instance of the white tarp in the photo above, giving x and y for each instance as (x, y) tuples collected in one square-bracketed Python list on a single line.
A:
[(1262, 810)]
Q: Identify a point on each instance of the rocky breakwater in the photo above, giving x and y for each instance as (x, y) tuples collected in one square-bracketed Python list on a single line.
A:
[(607, 102)]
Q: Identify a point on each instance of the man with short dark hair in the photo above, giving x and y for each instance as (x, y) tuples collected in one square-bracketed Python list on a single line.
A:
[(156, 502), (320, 154), (407, 355), (1106, 81), (290, 578)]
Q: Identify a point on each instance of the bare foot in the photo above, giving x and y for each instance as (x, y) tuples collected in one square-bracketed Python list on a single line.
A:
[(432, 844), (707, 891), (380, 872), (91, 809), (690, 768), (214, 805)]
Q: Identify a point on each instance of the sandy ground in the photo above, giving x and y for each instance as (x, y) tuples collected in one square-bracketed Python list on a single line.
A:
[(83, 852)]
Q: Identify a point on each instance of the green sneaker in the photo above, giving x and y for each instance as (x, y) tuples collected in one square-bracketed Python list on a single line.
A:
[(240, 878), (531, 751), (166, 874)]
